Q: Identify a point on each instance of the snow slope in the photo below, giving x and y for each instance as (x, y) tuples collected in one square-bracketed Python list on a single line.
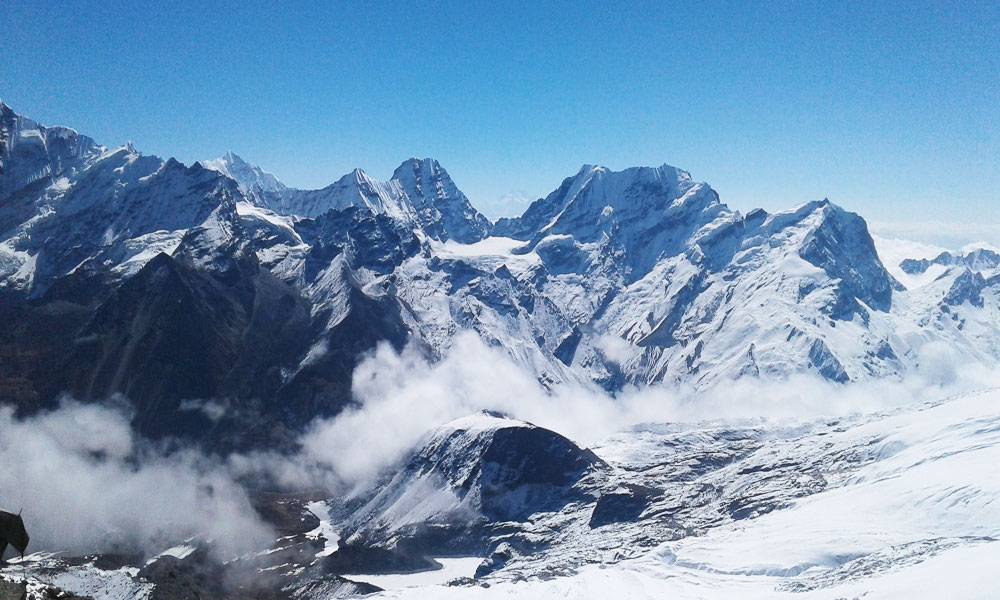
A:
[(907, 508)]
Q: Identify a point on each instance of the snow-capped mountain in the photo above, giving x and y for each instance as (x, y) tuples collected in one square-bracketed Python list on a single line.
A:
[(468, 475), (420, 194), (228, 308), (252, 180), (975, 259), (616, 278)]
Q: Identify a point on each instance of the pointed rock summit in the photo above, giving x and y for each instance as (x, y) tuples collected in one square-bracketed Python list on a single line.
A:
[(443, 210), (420, 195), (250, 177)]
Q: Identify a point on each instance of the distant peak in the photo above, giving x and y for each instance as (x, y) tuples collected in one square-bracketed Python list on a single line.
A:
[(247, 175), (233, 158), (357, 177), (413, 168), (664, 170)]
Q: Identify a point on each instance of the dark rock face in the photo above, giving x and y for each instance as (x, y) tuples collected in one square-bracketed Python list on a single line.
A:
[(967, 287), (10, 590), (527, 470), (861, 273), (489, 474), (199, 576), (336, 587), (174, 333), (178, 332), (13, 532), (623, 506), (371, 241), (442, 209), (826, 363), (371, 560)]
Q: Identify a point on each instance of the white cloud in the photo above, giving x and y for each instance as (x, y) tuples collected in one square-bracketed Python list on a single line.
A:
[(86, 483), (511, 204), (399, 397), (949, 234)]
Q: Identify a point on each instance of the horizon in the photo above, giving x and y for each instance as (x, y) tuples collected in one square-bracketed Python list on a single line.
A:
[(888, 110), (929, 238)]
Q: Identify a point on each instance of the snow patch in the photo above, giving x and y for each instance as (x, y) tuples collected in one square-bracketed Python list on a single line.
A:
[(451, 568), (321, 510)]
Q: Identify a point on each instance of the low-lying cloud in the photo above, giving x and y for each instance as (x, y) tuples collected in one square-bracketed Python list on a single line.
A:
[(400, 396), (949, 234), (86, 483)]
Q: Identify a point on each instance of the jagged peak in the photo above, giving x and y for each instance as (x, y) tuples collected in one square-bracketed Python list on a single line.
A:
[(415, 175), (615, 183), (823, 209), (72, 141), (126, 150), (9, 113), (417, 165), (593, 203), (664, 170), (246, 174), (357, 177)]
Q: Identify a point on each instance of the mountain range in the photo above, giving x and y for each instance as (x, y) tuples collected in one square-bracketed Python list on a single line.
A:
[(128, 275), (220, 306)]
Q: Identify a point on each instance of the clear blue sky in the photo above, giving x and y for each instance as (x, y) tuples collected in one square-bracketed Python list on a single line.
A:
[(890, 109)]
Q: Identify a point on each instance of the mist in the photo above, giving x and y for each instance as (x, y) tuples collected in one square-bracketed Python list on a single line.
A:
[(86, 483), (400, 396)]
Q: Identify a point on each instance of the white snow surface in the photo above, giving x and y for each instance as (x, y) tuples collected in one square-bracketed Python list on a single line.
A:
[(325, 530), (451, 568), (179, 551), (916, 515)]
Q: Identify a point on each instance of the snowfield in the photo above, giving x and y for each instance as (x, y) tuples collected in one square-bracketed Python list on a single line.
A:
[(920, 517), (902, 502)]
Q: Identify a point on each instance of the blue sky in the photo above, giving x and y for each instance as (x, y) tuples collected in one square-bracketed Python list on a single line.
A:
[(889, 109)]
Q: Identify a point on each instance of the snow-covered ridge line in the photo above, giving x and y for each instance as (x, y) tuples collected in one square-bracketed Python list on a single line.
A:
[(616, 278)]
